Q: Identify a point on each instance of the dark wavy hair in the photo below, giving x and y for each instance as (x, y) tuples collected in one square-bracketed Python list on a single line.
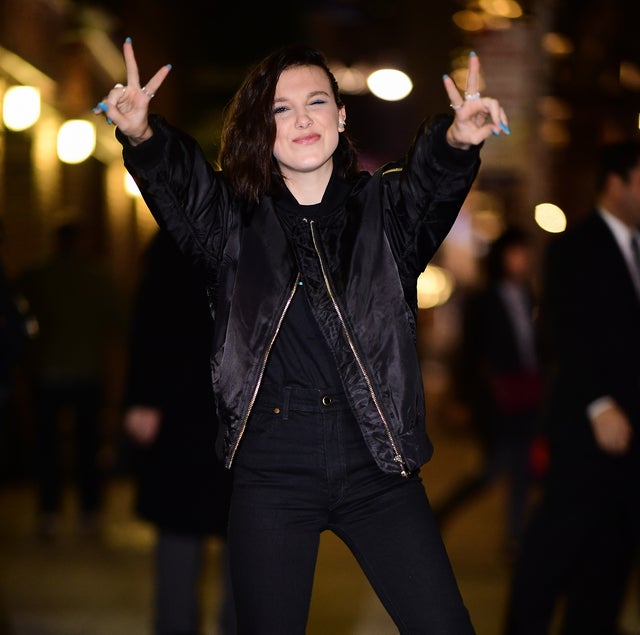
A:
[(249, 130), (494, 263), (617, 158)]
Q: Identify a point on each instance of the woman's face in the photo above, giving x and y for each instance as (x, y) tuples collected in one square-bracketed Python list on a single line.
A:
[(307, 121)]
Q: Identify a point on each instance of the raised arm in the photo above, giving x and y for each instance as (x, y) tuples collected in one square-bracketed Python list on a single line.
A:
[(128, 106)]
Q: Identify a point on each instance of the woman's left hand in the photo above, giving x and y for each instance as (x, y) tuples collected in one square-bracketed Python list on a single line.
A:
[(476, 117)]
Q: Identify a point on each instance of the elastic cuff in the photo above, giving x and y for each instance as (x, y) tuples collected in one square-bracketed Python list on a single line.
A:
[(146, 153), (446, 153)]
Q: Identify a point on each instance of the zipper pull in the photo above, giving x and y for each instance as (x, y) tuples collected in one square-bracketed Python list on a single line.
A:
[(403, 468)]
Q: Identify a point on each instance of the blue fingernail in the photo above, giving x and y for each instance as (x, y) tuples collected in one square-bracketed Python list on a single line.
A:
[(102, 106), (472, 54), (445, 76), (169, 66), (109, 121), (495, 133), (505, 128), (128, 40)]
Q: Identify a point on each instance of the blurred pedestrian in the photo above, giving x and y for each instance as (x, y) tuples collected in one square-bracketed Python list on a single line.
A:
[(13, 340), (581, 538), (498, 378), (13, 335), (79, 316), (182, 487)]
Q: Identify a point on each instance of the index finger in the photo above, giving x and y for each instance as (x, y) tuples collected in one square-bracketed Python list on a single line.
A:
[(473, 75), (133, 76)]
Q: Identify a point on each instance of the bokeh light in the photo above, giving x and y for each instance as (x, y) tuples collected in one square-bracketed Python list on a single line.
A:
[(550, 218), (390, 84), (21, 107)]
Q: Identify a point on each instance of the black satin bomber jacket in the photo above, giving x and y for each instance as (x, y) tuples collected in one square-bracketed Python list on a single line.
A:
[(360, 265)]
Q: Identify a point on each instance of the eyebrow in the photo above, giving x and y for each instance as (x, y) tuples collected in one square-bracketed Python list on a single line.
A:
[(311, 94)]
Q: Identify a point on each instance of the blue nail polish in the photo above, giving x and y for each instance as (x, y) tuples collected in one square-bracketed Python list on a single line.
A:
[(103, 106), (472, 54), (169, 66), (505, 128), (445, 76), (495, 133), (128, 40)]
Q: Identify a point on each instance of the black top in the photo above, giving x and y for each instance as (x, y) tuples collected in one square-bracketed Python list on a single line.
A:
[(300, 355)]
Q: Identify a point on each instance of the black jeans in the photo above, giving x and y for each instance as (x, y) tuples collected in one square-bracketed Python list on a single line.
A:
[(303, 467)]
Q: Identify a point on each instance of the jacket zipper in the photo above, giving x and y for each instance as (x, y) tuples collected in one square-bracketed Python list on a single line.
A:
[(254, 395), (397, 456)]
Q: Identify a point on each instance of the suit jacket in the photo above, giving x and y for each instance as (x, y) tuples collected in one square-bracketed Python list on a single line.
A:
[(591, 316)]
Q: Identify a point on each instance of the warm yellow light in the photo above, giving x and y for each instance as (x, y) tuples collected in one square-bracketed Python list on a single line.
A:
[(76, 140), (550, 218), (468, 20), (630, 75), (502, 8), (435, 286), (557, 44), (21, 107), (389, 84), (351, 79), (130, 186)]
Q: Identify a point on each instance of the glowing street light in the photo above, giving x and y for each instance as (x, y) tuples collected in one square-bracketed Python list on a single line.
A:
[(21, 107), (550, 217), (131, 187), (389, 84), (76, 140)]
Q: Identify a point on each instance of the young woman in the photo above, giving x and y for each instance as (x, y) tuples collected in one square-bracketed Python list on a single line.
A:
[(312, 270)]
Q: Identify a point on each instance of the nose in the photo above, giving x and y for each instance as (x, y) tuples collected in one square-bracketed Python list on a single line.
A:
[(303, 120)]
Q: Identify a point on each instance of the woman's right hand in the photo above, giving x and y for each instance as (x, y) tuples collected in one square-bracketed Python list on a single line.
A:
[(128, 106)]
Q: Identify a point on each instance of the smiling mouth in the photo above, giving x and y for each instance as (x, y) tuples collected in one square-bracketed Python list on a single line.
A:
[(307, 139)]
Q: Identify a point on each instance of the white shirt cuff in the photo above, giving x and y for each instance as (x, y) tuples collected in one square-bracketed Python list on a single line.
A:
[(599, 405)]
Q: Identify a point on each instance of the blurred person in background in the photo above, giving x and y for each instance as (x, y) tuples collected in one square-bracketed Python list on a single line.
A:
[(13, 339), (79, 317), (498, 378), (13, 334), (580, 543), (182, 487)]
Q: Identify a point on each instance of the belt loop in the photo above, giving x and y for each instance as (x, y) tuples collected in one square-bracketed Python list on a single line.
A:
[(285, 403)]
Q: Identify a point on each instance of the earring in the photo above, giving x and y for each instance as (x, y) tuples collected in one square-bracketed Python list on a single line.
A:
[(342, 123)]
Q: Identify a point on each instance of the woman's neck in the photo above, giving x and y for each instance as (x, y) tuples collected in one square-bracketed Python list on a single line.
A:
[(308, 188)]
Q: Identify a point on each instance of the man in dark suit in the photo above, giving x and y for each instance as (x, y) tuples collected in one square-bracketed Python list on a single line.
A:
[(581, 539)]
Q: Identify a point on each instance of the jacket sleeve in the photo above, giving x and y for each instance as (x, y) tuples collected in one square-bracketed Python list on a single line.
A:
[(185, 195), (423, 194)]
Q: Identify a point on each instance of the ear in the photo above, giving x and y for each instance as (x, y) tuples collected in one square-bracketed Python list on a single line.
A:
[(342, 119), (615, 185)]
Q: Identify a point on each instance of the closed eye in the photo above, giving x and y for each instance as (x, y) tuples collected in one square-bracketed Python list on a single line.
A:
[(279, 109)]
